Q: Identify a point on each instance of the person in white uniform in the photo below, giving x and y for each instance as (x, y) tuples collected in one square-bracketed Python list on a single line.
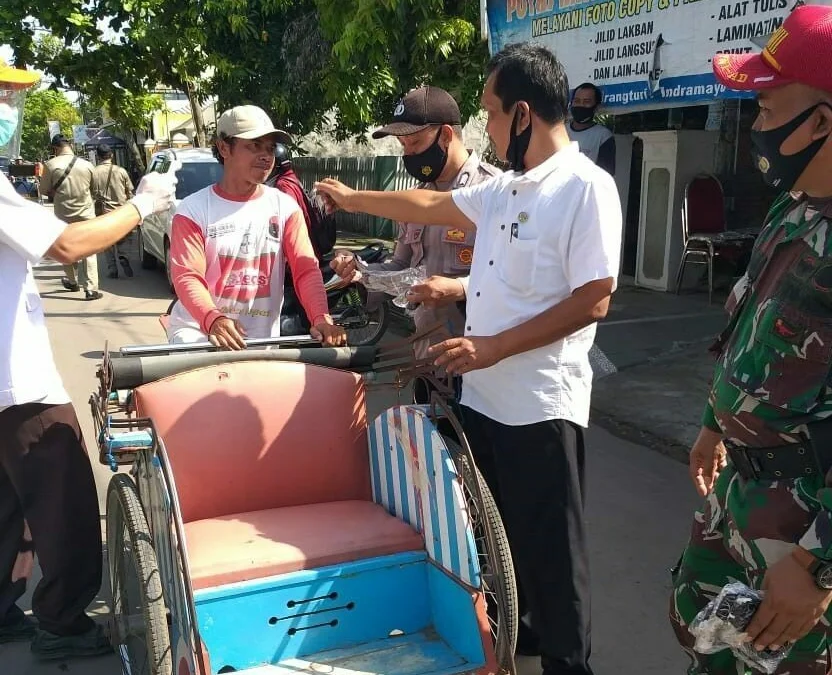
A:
[(545, 265), (48, 500)]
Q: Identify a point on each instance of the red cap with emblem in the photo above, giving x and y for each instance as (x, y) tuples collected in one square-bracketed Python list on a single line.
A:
[(799, 51)]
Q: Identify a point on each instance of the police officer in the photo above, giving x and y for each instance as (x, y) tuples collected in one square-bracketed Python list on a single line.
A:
[(48, 502), (427, 123), (767, 517)]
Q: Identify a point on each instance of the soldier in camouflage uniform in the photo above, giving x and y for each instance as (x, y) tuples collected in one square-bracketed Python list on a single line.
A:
[(767, 517)]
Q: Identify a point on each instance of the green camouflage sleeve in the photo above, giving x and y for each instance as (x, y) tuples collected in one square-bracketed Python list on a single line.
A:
[(708, 418), (818, 538)]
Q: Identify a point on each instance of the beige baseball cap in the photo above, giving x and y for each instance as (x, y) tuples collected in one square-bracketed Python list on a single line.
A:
[(249, 122)]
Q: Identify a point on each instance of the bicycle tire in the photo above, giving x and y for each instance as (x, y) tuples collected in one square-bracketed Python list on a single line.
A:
[(130, 550)]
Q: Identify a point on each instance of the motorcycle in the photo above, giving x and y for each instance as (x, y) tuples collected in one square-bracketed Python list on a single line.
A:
[(364, 316)]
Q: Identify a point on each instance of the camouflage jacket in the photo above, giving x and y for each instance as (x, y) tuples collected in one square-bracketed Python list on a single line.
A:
[(773, 376)]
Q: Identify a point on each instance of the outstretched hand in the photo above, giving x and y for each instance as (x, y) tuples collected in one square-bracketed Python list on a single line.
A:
[(336, 195)]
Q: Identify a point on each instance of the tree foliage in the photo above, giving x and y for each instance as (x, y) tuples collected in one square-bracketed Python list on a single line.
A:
[(42, 107), (303, 58), (269, 53), (299, 59), (383, 48)]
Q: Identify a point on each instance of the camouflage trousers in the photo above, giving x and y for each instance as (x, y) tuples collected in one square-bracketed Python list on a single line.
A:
[(743, 528)]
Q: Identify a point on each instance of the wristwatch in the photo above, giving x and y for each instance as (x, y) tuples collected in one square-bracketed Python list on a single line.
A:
[(820, 569)]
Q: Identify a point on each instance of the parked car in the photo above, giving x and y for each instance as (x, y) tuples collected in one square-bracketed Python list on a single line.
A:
[(197, 169)]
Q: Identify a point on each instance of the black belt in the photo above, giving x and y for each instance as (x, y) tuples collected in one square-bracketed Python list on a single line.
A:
[(807, 458)]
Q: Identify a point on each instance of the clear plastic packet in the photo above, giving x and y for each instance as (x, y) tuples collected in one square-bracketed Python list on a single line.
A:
[(722, 623), (396, 283)]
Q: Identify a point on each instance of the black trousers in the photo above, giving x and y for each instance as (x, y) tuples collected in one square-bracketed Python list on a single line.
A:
[(536, 473), (46, 478)]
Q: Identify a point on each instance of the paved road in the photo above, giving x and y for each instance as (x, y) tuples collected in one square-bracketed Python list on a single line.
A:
[(639, 501)]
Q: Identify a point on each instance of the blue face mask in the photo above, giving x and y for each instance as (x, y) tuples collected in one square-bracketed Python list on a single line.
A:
[(8, 123)]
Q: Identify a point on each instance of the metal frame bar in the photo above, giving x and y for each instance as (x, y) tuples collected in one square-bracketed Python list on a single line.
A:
[(160, 453), (150, 350)]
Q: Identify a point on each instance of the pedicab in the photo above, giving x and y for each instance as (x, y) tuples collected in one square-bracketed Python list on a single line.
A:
[(266, 527)]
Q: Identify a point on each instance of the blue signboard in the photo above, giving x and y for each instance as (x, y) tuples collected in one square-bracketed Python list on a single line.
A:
[(642, 53)]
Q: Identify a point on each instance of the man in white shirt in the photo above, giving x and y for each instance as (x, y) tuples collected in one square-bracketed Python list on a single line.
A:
[(48, 500), (545, 266)]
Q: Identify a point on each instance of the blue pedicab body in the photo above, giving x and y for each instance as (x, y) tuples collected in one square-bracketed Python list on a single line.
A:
[(291, 536)]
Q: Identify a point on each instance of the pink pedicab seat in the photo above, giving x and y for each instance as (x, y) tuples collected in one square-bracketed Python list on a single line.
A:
[(271, 466)]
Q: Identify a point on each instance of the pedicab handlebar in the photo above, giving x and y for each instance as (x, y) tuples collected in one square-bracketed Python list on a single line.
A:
[(284, 341), (129, 372)]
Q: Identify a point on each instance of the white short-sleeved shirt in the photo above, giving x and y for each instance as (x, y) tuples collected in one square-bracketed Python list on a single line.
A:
[(27, 367), (541, 235)]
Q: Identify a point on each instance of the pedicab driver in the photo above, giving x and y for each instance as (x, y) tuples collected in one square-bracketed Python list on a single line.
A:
[(230, 243), (48, 500), (545, 265)]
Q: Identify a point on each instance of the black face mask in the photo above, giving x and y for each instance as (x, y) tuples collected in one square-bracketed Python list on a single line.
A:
[(779, 170), (428, 165), (581, 114), (518, 144)]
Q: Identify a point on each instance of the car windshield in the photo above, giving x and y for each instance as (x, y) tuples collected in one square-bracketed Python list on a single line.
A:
[(194, 176)]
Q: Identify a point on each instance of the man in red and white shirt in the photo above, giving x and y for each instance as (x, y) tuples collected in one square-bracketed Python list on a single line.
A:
[(230, 243)]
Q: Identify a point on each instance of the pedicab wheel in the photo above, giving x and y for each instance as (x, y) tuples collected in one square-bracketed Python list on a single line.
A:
[(496, 566), (139, 628)]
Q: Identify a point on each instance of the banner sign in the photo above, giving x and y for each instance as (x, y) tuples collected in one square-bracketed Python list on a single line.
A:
[(643, 53), (81, 133)]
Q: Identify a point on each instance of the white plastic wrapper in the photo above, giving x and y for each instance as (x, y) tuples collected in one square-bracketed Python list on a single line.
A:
[(396, 283), (722, 623)]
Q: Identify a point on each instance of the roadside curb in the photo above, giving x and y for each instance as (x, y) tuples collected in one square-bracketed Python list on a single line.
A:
[(668, 372), (632, 433)]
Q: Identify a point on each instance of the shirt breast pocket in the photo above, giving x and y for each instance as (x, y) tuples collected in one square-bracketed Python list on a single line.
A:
[(413, 235), (787, 365), (518, 263)]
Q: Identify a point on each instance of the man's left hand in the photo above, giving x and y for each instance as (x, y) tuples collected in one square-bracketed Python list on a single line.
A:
[(329, 334), (462, 355), (792, 605)]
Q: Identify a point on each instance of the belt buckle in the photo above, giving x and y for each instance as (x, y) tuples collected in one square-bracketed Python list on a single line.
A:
[(743, 462)]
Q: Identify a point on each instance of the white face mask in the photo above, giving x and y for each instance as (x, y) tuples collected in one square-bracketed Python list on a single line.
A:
[(9, 119)]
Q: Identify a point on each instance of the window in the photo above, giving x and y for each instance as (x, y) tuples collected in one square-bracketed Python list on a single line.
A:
[(195, 176)]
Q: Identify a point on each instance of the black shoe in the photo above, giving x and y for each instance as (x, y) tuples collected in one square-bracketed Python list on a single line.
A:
[(21, 630), (68, 285), (125, 265), (49, 646), (93, 295)]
